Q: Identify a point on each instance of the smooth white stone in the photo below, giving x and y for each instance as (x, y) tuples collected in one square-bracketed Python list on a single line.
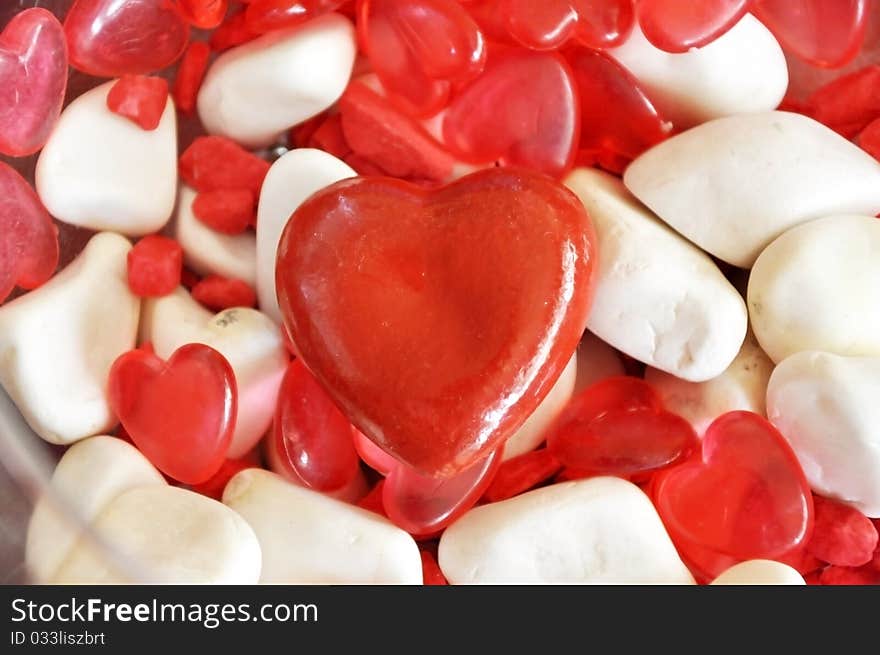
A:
[(596, 361), (759, 572), (309, 538), (58, 342), (658, 298), (291, 179), (817, 287), (597, 531), (827, 407), (258, 90), (743, 71), (248, 339), (734, 184), (103, 172)]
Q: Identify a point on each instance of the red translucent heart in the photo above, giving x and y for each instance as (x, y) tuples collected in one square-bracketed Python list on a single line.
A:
[(109, 38), (33, 78), (548, 24), (523, 110), (825, 33), (312, 436), (745, 498), (418, 48), (438, 319), (676, 26), (266, 15), (179, 413), (28, 237)]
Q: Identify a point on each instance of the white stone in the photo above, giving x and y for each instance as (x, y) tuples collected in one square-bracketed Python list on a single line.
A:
[(291, 179), (209, 252), (734, 184), (827, 407), (258, 90), (759, 572), (658, 298), (743, 71), (742, 386), (309, 538), (817, 287), (87, 478), (597, 531), (596, 361), (172, 536), (250, 342), (103, 172), (58, 342)]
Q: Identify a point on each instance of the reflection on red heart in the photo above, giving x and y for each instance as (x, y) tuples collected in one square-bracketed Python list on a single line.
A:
[(28, 237), (438, 319), (33, 78), (179, 413), (547, 25), (676, 26), (746, 498)]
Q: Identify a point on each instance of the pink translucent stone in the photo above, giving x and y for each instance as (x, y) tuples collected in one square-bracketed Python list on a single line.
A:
[(676, 26)]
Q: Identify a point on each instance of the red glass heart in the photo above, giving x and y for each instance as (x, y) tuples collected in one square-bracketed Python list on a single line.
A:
[(825, 33), (33, 79), (418, 48), (179, 413), (676, 26), (28, 237), (312, 436), (523, 110), (547, 25), (267, 15), (438, 319), (745, 498), (109, 38)]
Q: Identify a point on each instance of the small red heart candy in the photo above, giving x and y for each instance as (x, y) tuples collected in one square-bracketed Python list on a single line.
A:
[(547, 25), (108, 38), (28, 237), (33, 79), (179, 413), (676, 26), (745, 498), (438, 319)]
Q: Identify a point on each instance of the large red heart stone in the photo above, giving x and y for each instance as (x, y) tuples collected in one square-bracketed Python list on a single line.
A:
[(438, 319)]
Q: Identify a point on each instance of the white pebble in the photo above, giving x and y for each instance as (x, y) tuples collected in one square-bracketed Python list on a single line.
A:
[(759, 572)]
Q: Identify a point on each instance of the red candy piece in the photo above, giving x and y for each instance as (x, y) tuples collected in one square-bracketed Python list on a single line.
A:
[(523, 110), (745, 498), (391, 140), (521, 473), (109, 38), (154, 266), (190, 74), (139, 98), (219, 293), (438, 319), (312, 436), (33, 78), (848, 103), (676, 26), (431, 573), (215, 162), (179, 413), (547, 25), (204, 14), (267, 15), (28, 237), (619, 426), (842, 535), (825, 33), (234, 31), (229, 211), (213, 487)]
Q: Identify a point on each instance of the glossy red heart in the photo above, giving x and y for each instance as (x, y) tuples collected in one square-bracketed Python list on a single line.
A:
[(745, 498), (676, 26), (419, 48), (109, 38), (548, 24), (826, 33), (523, 110), (33, 79), (28, 237), (179, 413), (438, 319)]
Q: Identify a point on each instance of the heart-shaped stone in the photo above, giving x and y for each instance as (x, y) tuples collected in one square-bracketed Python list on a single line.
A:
[(185, 440), (745, 498), (675, 26), (108, 38), (438, 319), (33, 78), (28, 237), (598, 24)]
